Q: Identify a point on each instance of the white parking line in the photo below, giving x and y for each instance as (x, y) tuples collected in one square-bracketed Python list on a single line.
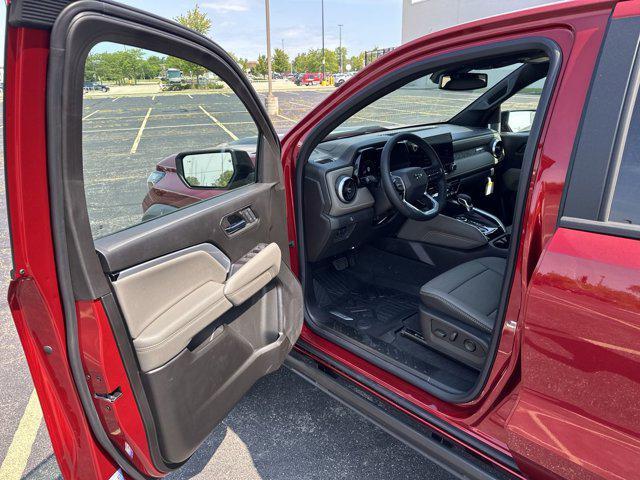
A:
[(136, 142), (117, 98), (153, 99), (222, 93), (90, 115), (17, 456), (162, 127), (217, 122), (287, 118), (189, 95)]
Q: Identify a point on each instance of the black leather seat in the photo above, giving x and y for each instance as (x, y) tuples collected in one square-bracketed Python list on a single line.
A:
[(460, 308)]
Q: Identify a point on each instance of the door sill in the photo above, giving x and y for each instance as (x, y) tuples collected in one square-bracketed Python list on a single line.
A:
[(456, 459)]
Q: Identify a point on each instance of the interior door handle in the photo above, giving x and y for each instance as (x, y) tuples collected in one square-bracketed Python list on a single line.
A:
[(235, 227)]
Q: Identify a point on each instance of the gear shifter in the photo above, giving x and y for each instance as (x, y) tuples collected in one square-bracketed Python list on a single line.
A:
[(466, 202)]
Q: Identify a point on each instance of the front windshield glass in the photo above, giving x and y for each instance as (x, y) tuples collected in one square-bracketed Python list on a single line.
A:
[(421, 102)]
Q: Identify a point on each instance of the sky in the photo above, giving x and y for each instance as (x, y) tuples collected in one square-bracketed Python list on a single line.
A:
[(239, 25)]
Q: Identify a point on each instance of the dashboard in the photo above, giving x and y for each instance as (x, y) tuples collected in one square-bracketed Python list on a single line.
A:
[(367, 160), (344, 204)]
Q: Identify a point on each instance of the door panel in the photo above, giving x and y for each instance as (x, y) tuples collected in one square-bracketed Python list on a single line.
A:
[(202, 300), (204, 330), (577, 409), (167, 301)]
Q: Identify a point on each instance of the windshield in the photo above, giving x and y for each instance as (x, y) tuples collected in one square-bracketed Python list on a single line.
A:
[(421, 102)]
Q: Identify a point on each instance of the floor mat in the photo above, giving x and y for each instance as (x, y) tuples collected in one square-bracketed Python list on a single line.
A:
[(373, 314), (372, 309)]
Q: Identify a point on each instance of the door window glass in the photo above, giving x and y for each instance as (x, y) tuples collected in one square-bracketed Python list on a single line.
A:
[(159, 134), (624, 205)]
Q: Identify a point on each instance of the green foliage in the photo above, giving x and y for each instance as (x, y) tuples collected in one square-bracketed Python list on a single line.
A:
[(154, 67), (356, 62), (224, 178), (261, 66), (243, 62), (280, 61), (197, 21), (311, 61), (125, 66)]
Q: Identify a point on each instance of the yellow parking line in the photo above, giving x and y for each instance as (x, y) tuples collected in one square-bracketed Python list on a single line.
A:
[(217, 122), (136, 142), (91, 115), (287, 118), (17, 456)]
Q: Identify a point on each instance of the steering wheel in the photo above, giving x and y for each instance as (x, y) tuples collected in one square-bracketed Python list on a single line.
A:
[(406, 188)]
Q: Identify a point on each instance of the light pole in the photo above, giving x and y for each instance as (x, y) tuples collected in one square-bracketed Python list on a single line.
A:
[(323, 59), (271, 102), (340, 26)]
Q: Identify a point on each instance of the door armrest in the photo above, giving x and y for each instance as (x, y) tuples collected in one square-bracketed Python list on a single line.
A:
[(252, 272)]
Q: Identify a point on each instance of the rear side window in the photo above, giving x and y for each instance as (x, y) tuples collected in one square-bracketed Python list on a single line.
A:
[(624, 204), (159, 134)]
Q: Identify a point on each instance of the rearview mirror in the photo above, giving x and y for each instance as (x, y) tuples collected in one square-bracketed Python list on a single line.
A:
[(461, 81), (215, 169)]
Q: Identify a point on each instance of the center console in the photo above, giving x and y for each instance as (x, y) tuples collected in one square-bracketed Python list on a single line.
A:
[(484, 222)]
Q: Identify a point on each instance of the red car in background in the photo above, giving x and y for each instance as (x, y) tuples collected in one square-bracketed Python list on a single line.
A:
[(309, 79), (472, 285)]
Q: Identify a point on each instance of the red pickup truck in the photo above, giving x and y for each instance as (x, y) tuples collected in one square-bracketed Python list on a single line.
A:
[(469, 282)]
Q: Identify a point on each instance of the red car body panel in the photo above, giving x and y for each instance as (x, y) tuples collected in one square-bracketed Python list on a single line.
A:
[(33, 292), (544, 400), (486, 416), (577, 412)]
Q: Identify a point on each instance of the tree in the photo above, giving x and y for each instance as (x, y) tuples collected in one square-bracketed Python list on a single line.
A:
[(300, 62), (261, 66), (197, 21), (154, 66), (243, 62), (356, 62), (281, 62)]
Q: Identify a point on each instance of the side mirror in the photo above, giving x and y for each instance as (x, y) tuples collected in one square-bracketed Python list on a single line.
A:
[(221, 168), (462, 81), (517, 120)]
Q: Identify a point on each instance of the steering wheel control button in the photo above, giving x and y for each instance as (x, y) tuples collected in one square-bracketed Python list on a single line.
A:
[(346, 188)]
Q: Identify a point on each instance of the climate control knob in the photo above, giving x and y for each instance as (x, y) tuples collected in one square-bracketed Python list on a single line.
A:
[(346, 188)]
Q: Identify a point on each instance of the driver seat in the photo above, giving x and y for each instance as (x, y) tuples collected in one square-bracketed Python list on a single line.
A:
[(459, 309)]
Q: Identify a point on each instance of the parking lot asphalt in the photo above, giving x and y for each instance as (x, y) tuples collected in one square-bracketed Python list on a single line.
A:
[(284, 428)]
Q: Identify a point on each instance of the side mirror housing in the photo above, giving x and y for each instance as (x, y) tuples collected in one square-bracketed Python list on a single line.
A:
[(517, 120), (219, 169)]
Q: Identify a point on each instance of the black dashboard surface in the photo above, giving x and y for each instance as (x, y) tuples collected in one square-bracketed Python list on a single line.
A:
[(335, 224), (462, 150)]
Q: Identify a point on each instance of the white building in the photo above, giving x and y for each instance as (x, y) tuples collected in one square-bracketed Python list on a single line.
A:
[(420, 17)]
